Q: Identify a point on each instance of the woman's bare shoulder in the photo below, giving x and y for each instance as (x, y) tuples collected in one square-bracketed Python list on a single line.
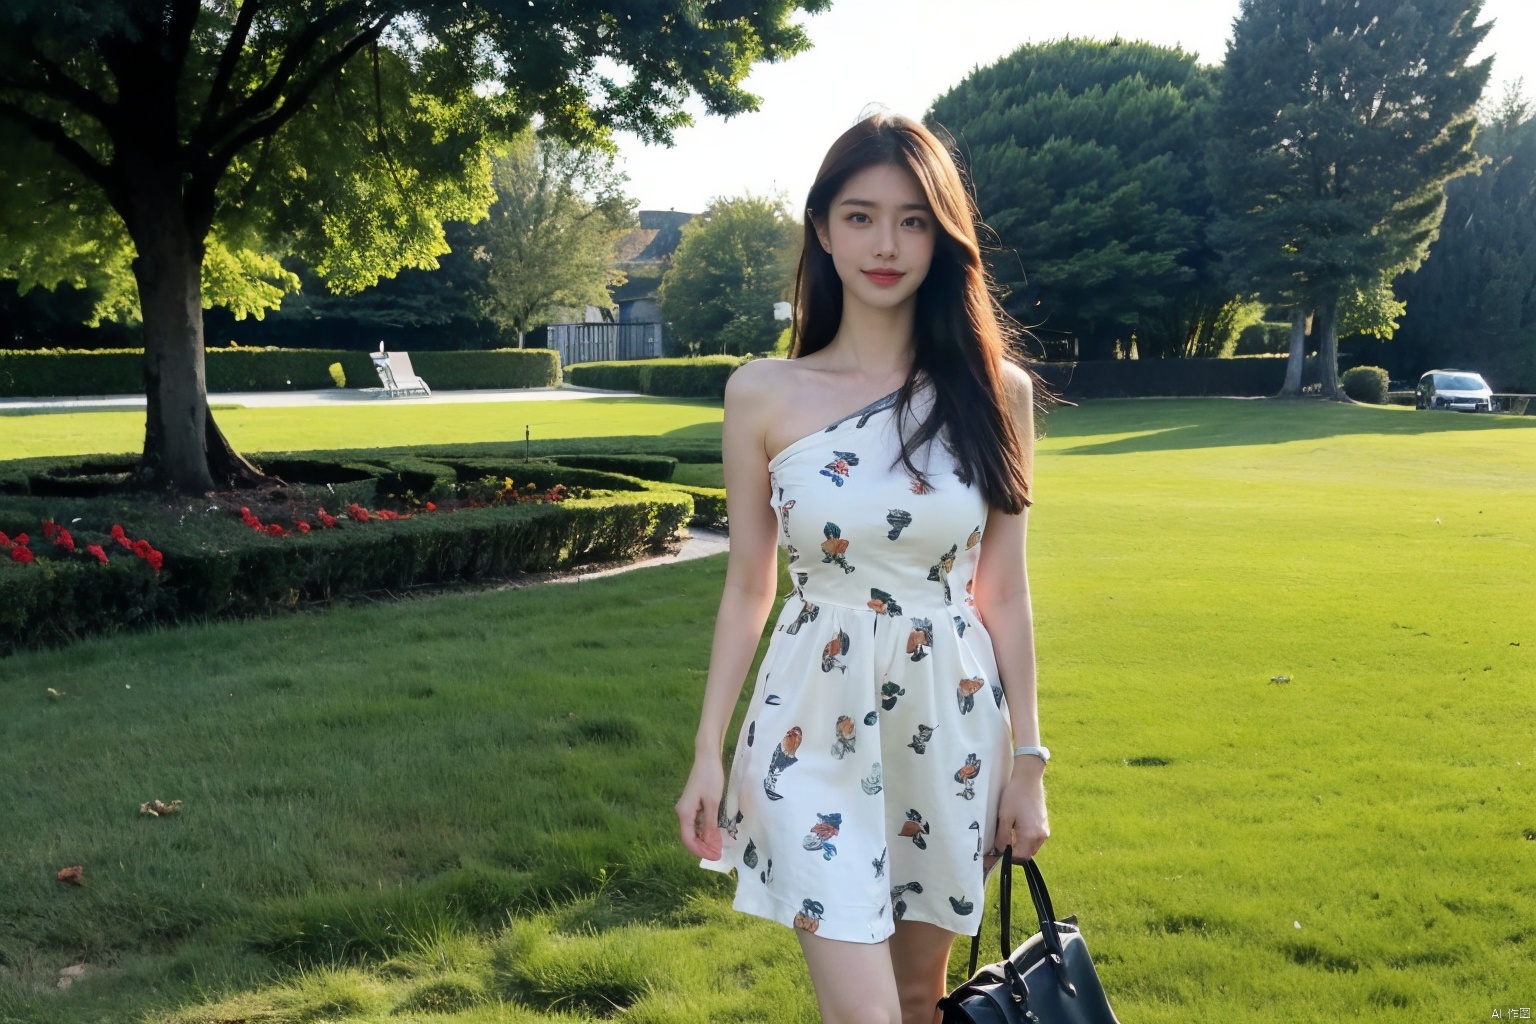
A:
[(1018, 386), (760, 384)]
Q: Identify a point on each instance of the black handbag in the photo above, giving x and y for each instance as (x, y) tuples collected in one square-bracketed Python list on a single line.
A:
[(1048, 979)]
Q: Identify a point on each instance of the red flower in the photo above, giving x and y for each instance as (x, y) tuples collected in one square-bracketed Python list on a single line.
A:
[(431, 506), (50, 528), (95, 549), (5, 541), (302, 525), (116, 532), (21, 554), (142, 548), (275, 530), (22, 539), (326, 519), (357, 512), (155, 559), (63, 539)]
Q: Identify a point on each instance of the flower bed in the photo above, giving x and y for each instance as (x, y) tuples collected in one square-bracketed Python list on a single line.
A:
[(244, 553), (343, 523)]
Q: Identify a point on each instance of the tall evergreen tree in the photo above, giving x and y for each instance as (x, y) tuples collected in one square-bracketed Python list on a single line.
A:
[(1087, 160), (1337, 126), (1473, 303)]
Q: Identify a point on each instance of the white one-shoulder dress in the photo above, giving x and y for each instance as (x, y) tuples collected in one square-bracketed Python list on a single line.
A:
[(864, 784)]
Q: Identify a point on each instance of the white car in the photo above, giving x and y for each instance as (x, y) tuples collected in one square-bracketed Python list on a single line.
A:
[(1453, 389)]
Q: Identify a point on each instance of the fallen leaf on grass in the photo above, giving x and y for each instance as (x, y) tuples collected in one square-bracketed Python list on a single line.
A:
[(55, 694), (155, 808), (72, 875)]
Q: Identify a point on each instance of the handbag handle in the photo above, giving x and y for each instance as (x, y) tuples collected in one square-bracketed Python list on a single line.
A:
[(1041, 897)]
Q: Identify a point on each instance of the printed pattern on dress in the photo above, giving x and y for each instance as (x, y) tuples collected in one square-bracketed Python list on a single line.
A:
[(880, 783)]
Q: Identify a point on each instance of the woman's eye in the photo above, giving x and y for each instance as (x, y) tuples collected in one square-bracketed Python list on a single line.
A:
[(916, 222), (855, 217)]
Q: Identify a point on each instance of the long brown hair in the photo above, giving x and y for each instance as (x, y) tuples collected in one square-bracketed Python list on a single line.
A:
[(959, 332)]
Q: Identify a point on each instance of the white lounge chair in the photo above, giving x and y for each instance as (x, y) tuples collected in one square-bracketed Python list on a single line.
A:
[(396, 374)]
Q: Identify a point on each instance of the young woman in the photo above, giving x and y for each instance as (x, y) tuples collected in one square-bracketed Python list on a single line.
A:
[(874, 780)]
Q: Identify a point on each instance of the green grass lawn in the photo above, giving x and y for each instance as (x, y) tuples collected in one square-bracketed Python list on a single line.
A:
[(460, 808), (382, 425)]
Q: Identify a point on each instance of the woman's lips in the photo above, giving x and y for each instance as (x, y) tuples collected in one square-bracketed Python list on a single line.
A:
[(885, 277)]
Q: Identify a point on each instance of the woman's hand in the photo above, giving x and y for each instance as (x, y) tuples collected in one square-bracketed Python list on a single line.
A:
[(1021, 817), (698, 808)]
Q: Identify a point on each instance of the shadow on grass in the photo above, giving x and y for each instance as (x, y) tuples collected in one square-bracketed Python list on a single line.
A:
[(1175, 424)]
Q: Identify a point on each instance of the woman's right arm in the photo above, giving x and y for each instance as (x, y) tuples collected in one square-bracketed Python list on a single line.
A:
[(751, 581)]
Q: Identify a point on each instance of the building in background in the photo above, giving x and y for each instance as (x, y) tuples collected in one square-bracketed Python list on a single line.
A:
[(644, 255)]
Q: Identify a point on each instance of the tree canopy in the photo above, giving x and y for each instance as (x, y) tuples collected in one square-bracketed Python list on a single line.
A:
[(548, 242), (734, 261), (189, 145), (1088, 163), (1472, 305), (1338, 124)]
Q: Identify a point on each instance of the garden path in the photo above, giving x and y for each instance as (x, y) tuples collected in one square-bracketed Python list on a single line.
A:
[(697, 542)]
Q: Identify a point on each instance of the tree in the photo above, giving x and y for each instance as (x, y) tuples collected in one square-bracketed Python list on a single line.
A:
[(1337, 126), (419, 309), (733, 262), (1087, 160), (1473, 302), (548, 241), (195, 142)]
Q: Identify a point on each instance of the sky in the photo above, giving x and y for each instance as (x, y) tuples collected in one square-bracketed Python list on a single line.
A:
[(903, 54)]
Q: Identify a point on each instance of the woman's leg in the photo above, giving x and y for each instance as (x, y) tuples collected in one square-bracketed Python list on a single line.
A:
[(853, 980), (919, 959)]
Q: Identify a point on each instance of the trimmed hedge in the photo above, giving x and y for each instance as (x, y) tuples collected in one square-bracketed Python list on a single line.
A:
[(492, 368), (247, 573), (646, 467), (53, 372), (684, 377), (1251, 376), (705, 376), (215, 566)]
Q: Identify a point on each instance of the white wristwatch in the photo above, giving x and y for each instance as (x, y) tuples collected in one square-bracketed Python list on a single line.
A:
[(1041, 752)]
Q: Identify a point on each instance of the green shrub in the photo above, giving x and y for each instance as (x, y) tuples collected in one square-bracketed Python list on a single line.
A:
[(1365, 384), (493, 368), (646, 467), (781, 346), (683, 377)]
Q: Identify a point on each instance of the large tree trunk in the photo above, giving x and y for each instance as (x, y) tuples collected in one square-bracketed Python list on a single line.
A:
[(184, 449), (1293, 365), (1328, 348)]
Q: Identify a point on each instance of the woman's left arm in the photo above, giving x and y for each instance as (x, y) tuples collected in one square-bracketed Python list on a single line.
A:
[(1001, 595)]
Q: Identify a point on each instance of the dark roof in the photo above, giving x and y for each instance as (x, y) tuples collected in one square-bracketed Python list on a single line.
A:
[(667, 226), (645, 252)]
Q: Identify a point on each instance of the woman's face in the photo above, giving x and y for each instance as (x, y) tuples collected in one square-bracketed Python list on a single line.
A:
[(880, 232)]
